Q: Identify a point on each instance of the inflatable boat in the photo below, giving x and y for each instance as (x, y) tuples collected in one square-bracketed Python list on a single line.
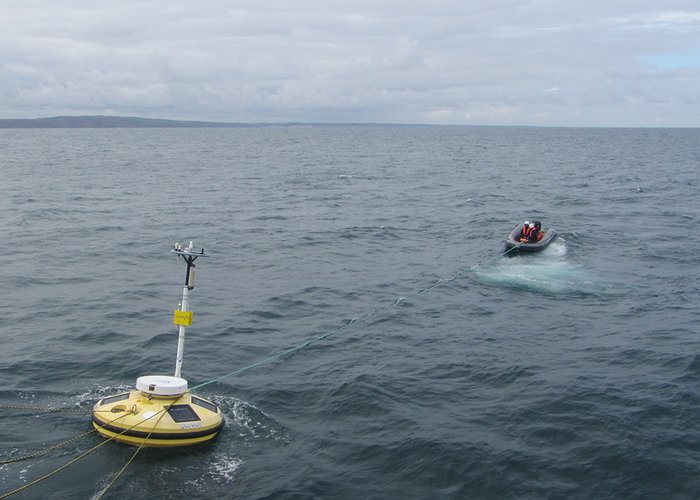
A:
[(513, 242)]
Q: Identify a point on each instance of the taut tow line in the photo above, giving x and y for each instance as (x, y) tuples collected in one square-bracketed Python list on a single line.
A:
[(381, 310)]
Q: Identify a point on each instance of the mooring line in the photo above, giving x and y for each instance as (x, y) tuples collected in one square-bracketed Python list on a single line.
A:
[(53, 447), (45, 450), (46, 410), (40, 410), (79, 457), (133, 456), (368, 314)]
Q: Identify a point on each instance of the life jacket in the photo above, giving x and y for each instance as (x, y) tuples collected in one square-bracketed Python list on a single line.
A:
[(525, 233)]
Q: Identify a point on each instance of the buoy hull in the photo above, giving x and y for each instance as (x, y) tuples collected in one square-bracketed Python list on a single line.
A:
[(140, 419)]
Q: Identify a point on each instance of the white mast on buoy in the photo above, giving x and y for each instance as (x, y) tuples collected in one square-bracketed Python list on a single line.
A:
[(183, 316)]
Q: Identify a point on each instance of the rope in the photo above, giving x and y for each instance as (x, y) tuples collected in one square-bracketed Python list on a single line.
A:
[(133, 456), (516, 247), (374, 312), (41, 452), (58, 445), (79, 457), (39, 409)]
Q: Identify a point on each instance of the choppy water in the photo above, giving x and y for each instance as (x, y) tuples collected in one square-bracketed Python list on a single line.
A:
[(467, 374)]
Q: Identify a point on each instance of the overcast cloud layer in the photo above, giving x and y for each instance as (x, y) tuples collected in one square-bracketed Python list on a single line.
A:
[(491, 62)]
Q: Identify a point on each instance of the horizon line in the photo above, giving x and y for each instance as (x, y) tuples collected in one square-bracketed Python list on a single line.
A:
[(183, 123)]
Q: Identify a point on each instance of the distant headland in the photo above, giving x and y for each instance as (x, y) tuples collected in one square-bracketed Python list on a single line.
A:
[(111, 122), (102, 121)]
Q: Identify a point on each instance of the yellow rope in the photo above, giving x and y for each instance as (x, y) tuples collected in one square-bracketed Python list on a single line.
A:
[(162, 412), (79, 457), (56, 471), (41, 452)]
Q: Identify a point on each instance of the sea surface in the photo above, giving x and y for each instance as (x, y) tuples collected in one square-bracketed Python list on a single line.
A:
[(439, 367)]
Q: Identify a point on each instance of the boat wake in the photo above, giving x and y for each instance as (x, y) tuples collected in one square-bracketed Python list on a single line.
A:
[(546, 272)]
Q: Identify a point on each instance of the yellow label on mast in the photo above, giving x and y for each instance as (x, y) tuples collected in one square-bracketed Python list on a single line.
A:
[(183, 318)]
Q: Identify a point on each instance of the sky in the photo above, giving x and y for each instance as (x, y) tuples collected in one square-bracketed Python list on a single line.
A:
[(612, 63)]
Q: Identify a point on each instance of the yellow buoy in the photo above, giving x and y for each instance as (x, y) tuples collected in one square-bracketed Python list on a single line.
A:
[(152, 416), (161, 412)]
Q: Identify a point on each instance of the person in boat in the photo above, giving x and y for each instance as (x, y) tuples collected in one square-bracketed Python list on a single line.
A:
[(525, 232), (531, 232)]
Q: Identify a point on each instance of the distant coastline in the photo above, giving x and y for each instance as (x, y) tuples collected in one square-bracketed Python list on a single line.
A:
[(102, 121), (107, 121), (110, 122)]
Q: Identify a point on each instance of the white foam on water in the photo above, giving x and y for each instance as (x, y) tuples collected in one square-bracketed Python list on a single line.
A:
[(555, 249), (220, 469), (248, 421), (548, 271)]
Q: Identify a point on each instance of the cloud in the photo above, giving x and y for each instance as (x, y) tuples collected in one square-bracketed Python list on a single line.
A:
[(502, 62), (668, 20)]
